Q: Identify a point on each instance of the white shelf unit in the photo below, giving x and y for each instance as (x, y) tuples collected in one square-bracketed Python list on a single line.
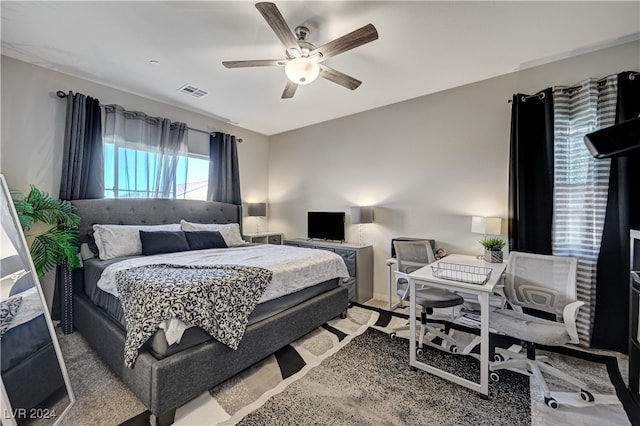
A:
[(264, 237)]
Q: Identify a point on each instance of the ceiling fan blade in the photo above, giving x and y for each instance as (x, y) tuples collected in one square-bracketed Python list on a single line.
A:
[(255, 63), (274, 18), (339, 78), (289, 90), (349, 41)]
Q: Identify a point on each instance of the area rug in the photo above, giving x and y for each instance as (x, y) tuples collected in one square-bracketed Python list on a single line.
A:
[(369, 382), (349, 372)]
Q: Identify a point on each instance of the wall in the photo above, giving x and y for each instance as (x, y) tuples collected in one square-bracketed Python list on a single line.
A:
[(33, 121), (426, 164)]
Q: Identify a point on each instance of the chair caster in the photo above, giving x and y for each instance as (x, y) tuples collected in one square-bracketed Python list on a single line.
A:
[(419, 352), (586, 395), (453, 349), (412, 368), (393, 335), (498, 358), (495, 377), (551, 403)]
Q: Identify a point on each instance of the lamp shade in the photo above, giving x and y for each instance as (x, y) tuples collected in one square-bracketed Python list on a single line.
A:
[(486, 225), (361, 215), (302, 70), (257, 209)]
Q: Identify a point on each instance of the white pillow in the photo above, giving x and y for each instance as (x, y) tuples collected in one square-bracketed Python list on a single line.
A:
[(123, 240), (229, 231)]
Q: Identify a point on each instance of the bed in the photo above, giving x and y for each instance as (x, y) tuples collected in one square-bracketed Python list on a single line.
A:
[(165, 376)]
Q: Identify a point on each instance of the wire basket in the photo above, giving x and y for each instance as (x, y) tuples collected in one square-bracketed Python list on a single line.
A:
[(463, 273)]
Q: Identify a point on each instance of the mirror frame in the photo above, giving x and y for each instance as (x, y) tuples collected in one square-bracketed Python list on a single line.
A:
[(7, 417)]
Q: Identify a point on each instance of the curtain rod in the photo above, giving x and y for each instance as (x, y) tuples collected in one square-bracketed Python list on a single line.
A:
[(601, 82), (62, 95)]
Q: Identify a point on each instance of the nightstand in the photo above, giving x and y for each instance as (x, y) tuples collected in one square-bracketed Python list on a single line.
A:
[(264, 237)]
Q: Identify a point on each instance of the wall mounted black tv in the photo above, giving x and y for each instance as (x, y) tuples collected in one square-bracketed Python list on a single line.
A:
[(614, 141), (325, 225)]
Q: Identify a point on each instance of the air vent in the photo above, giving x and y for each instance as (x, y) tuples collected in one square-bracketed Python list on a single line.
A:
[(193, 91)]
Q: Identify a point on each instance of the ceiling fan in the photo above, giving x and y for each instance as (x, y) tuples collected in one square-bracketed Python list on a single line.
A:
[(303, 61)]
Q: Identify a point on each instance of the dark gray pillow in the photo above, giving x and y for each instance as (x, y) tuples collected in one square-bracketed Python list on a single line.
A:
[(158, 242), (200, 240)]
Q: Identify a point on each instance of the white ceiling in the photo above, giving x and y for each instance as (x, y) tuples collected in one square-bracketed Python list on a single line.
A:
[(423, 47)]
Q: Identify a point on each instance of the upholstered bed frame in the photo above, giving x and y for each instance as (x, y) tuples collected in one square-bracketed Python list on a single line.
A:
[(165, 384)]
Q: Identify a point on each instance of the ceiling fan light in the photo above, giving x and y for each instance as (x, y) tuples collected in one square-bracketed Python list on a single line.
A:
[(302, 70)]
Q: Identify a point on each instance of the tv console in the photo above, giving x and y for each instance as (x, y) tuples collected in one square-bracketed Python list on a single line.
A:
[(359, 261)]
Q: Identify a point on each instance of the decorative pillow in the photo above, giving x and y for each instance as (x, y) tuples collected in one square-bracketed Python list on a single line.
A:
[(88, 247), (86, 252), (156, 242), (230, 231), (24, 283), (8, 311), (200, 240), (124, 240)]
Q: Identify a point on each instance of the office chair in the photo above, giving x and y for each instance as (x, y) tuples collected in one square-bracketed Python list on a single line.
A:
[(411, 256), (546, 284)]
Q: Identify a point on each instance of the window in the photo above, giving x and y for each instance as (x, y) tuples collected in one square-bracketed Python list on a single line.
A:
[(197, 184), (581, 185), (129, 173)]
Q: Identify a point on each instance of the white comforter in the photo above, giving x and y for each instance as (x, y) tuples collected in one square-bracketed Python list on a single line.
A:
[(293, 269)]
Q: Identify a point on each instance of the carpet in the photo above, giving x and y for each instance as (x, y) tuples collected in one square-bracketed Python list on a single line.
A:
[(101, 398), (349, 372), (369, 382), (366, 381)]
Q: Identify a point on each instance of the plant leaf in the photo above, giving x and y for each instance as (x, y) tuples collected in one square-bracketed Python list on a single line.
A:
[(59, 244), (51, 210), (493, 243)]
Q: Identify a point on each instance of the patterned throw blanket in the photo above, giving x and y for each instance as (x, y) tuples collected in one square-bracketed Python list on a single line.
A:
[(8, 311), (217, 298)]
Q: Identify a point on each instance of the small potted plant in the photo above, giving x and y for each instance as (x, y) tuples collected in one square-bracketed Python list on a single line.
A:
[(493, 249)]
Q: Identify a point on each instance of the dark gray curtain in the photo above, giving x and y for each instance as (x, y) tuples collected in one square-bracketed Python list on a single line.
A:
[(224, 174), (82, 167), (611, 328), (82, 161), (531, 173)]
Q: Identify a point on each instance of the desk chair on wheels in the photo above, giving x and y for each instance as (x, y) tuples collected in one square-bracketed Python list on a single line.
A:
[(542, 283), (411, 256)]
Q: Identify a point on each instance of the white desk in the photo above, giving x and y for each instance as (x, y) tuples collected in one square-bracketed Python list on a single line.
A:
[(425, 276)]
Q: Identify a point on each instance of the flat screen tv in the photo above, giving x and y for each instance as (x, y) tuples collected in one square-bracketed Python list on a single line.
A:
[(325, 225), (614, 141)]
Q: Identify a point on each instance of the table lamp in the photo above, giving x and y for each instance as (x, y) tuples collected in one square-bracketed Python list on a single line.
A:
[(256, 210), (360, 215)]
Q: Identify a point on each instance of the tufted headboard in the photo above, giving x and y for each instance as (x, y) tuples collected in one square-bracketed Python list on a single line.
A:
[(140, 211)]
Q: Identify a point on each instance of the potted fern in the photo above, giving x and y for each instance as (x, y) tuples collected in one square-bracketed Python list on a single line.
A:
[(493, 249), (50, 228)]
